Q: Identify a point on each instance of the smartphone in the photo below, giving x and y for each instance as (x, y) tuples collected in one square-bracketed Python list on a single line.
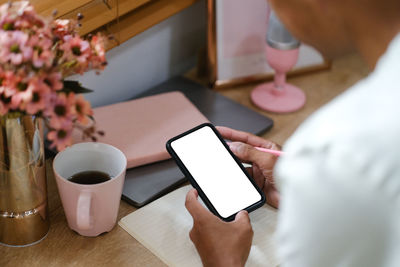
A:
[(219, 177)]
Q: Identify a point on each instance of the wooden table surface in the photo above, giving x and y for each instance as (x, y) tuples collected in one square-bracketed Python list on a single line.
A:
[(63, 247)]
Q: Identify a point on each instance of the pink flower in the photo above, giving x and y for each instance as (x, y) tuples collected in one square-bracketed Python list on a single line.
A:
[(79, 48), (2, 80), (82, 110), (60, 109), (61, 137), (5, 104), (6, 20), (38, 98), (54, 81), (63, 27), (14, 47), (19, 15), (11, 81), (18, 86), (18, 8), (24, 92), (98, 58), (76, 53), (42, 54)]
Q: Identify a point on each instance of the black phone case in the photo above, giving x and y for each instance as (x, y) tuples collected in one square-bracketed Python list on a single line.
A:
[(202, 195)]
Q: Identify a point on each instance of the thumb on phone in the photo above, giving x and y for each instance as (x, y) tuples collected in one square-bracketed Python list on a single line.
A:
[(242, 217)]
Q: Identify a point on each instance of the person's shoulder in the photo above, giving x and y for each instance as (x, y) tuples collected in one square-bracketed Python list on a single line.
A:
[(357, 128), (367, 110)]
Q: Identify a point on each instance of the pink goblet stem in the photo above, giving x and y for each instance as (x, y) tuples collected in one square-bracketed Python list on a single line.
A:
[(280, 81)]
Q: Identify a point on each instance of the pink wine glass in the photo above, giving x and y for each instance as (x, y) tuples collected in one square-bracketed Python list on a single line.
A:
[(282, 51)]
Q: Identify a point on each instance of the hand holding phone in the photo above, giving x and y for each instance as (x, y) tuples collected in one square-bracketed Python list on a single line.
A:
[(220, 179)]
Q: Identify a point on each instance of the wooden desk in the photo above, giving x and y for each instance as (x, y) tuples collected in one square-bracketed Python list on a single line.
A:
[(64, 247)]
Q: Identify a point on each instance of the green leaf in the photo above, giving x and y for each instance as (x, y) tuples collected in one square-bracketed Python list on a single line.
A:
[(76, 87)]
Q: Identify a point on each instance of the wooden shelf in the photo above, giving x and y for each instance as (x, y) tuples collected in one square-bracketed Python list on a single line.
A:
[(46, 7), (143, 18), (122, 18), (97, 13)]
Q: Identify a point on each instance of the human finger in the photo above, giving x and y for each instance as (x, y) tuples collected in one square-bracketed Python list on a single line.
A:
[(244, 137), (242, 217), (258, 176), (250, 170), (248, 153), (272, 195), (193, 206), (242, 221)]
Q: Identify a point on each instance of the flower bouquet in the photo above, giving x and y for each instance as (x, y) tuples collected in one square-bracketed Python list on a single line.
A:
[(36, 56)]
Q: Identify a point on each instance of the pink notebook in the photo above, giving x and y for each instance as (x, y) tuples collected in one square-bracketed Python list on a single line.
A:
[(141, 127)]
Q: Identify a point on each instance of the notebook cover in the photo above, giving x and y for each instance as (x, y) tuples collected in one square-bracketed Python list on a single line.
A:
[(141, 127)]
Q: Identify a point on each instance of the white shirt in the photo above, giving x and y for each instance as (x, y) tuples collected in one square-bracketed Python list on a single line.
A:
[(340, 179)]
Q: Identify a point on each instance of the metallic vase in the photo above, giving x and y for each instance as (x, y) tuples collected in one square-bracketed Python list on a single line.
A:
[(23, 190)]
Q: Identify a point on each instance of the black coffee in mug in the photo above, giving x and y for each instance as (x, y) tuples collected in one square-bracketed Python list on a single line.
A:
[(90, 177)]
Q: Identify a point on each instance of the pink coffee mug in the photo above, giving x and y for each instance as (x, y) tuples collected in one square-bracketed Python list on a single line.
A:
[(91, 209)]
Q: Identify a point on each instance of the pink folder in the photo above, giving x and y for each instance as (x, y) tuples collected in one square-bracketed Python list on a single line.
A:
[(141, 127)]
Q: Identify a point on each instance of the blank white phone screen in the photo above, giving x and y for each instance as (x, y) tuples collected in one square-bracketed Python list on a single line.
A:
[(215, 171)]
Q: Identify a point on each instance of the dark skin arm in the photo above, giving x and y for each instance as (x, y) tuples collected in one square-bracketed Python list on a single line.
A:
[(219, 243), (222, 243)]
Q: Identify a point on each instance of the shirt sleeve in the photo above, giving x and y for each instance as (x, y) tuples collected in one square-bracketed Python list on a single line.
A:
[(331, 213)]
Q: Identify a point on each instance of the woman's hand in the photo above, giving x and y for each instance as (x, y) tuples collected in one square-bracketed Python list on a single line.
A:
[(263, 163), (219, 243)]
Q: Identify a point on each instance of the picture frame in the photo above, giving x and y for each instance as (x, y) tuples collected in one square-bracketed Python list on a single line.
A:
[(236, 40)]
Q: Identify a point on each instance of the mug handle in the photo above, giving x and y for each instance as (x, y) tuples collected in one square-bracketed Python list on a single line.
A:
[(83, 210)]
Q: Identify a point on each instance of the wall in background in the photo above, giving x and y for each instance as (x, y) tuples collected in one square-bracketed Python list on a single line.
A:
[(150, 58)]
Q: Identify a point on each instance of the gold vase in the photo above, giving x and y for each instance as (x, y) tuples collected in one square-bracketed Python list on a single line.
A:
[(23, 190)]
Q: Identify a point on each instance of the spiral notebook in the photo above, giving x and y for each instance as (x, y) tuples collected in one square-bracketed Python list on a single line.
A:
[(163, 227)]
